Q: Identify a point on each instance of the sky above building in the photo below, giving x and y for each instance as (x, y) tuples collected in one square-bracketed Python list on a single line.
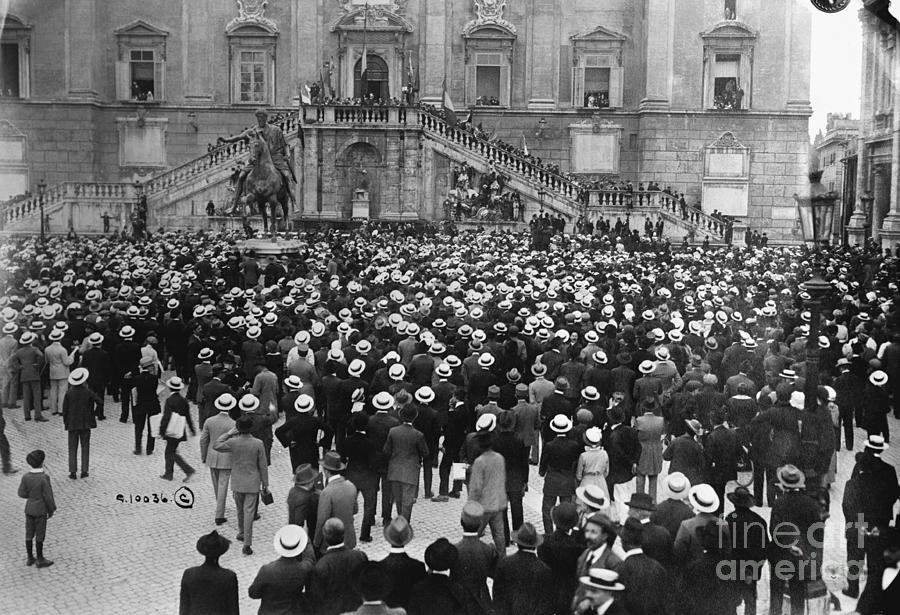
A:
[(835, 71)]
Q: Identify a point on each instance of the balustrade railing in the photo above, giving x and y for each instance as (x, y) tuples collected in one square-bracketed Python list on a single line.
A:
[(553, 182), (654, 201), (60, 194), (215, 158)]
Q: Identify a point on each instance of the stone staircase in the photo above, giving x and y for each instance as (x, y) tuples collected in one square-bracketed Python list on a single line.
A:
[(177, 197)]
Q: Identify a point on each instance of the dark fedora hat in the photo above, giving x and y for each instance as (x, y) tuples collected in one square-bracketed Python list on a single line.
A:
[(373, 582), (213, 544), (441, 555), (641, 501), (398, 533), (526, 536), (331, 461), (741, 498), (305, 474)]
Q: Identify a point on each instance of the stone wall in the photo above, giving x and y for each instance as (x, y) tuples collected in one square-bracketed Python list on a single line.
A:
[(672, 154)]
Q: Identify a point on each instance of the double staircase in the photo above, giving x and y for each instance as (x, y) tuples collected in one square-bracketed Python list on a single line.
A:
[(176, 198)]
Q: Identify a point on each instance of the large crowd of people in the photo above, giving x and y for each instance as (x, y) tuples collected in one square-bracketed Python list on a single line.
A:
[(397, 365)]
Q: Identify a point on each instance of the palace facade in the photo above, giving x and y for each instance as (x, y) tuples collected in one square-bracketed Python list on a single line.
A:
[(710, 97)]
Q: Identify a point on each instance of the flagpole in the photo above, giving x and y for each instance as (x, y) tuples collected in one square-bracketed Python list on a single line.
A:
[(363, 77), (302, 174)]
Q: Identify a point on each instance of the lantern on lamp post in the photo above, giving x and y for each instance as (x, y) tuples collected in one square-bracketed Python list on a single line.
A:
[(541, 194), (815, 210)]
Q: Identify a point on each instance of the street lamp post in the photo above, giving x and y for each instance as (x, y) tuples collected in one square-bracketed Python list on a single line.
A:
[(541, 194), (41, 187)]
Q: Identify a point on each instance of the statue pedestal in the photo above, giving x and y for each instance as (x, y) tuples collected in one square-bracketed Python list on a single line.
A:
[(360, 204), (737, 233), (856, 230), (264, 248)]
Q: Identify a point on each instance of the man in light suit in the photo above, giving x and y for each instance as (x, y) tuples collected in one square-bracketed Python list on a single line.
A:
[(219, 463), (338, 499), (406, 449), (249, 471)]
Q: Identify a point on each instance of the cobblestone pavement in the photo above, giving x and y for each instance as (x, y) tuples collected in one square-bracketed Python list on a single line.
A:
[(112, 556)]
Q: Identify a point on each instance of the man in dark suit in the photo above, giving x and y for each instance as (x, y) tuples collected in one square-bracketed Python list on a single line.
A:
[(871, 492), (126, 359), (209, 588), (97, 361), (329, 587), (79, 419), (557, 466), (885, 593), (406, 450), (380, 424), (374, 583), (481, 380), (722, 451), (476, 560), (751, 542), (300, 433), (801, 513), (203, 373), (560, 551), (646, 582), (624, 449), (523, 583), (279, 583), (337, 500), (403, 570), (555, 403), (656, 541), (437, 594), (672, 511), (209, 393)]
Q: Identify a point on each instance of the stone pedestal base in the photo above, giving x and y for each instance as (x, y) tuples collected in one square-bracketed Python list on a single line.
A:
[(856, 230), (737, 234), (264, 248), (890, 232), (361, 208)]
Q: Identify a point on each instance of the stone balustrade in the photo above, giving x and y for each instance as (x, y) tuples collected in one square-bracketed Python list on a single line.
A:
[(103, 194)]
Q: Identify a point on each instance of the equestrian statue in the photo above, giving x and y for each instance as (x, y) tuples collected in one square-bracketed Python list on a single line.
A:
[(266, 179)]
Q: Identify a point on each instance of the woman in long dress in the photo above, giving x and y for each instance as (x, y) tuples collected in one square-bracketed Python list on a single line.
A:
[(593, 464)]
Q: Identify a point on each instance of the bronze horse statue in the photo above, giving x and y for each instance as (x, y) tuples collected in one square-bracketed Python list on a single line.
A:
[(264, 185)]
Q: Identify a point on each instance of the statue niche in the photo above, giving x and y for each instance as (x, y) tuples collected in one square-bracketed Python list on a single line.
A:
[(360, 165)]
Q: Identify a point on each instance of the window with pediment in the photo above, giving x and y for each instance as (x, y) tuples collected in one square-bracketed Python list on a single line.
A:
[(15, 58), (488, 65), (251, 57), (597, 72), (141, 62), (728, 66)]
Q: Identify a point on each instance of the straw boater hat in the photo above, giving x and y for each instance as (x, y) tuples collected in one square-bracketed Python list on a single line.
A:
[(78, 376), (590, 393), (876, 444), (678, 485), (304, 403), (560, 424), (248, 403), (486, 422), (878, 378), (790, 477), (592, 437), (383, 401), (704, 498), (290, 541), (592, 496), (225, 402), (601, 578), (175, 383)]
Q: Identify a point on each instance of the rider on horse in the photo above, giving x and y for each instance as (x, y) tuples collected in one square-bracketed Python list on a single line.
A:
[(277, 149)]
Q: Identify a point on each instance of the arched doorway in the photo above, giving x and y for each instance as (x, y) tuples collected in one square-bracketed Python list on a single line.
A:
[(353, 160), (376, 82)]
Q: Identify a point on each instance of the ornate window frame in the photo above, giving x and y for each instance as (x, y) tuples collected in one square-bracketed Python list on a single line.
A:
[(251, 36), (383, 33), (730, 37), (134, 36), (13, 158), (598, 48), (488, 45), (17, 32)]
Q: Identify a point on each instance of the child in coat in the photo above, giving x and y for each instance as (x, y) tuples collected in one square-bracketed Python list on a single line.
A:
[(40, 506)]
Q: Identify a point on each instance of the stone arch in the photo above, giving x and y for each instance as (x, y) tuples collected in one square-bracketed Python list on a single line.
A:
[(355, 157)]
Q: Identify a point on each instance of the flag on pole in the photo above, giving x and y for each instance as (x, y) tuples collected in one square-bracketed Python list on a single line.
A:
[(524, 145), (305, 98), (449, 110), (365, 52)]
